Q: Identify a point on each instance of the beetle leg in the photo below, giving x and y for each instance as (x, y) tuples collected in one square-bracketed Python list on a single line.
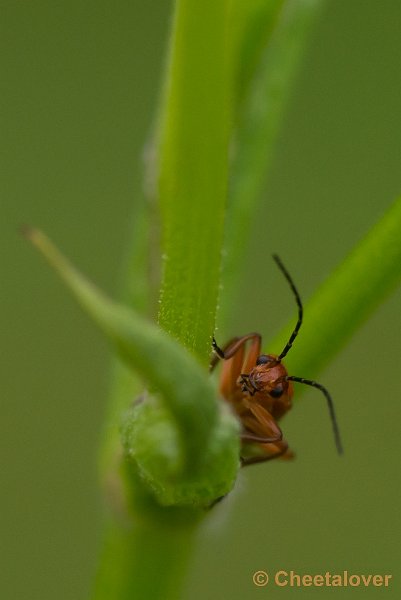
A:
[(233, 356), (281, 448), (229, 374), (219, 353), (261, 423), (250, 437), (261, 428), (233, 346)]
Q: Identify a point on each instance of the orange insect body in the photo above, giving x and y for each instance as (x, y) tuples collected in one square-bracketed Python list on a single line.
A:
[(260, 390)]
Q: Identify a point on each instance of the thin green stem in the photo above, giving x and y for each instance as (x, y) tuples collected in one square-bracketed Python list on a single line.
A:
[(252, 24), (350, 294), (258, 125)]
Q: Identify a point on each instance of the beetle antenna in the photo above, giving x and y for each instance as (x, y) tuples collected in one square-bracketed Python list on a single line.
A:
[(330, 404), (299, 304)]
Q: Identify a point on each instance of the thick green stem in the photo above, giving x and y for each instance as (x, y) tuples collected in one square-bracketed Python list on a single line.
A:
[(144, 560), (193, 172), (150, 560)]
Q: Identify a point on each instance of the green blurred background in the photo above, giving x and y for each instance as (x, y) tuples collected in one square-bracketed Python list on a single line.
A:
[(79, 86)]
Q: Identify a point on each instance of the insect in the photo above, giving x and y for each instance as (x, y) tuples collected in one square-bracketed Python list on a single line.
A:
[(260, 390)]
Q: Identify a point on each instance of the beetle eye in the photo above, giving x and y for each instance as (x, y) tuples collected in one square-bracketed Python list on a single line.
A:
[(263, 359), (277, 391)]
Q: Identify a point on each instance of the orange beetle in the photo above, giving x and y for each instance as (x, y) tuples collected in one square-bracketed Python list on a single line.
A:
[(260, 390)]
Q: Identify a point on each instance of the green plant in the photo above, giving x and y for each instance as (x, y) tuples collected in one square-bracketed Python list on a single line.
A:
[(229, 60)]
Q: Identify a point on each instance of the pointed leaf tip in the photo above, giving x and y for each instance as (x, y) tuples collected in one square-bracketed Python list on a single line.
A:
[(27, 232), (165, 365)]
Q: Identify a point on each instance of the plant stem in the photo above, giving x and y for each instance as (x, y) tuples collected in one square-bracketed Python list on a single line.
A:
[(149, 561), (193, 172), (145, 560), (259, 123)]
